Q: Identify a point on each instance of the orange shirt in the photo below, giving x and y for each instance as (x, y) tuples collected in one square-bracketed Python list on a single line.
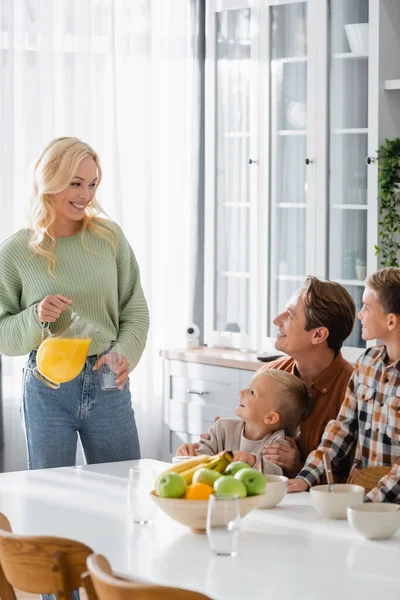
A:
[(327, 392)]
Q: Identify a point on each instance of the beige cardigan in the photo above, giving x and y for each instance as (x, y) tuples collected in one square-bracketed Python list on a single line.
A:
[(226, 435)]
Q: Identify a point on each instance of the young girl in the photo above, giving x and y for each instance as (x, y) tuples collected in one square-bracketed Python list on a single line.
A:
[(271, 407)]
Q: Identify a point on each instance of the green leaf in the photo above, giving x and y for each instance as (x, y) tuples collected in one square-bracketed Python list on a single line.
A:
[(389, 201)]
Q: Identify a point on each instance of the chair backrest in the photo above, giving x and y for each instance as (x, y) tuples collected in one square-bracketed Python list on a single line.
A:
[(39, 564), (109, 587)]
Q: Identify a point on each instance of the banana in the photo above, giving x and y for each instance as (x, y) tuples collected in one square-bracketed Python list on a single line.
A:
[(188, 464), (188, 474), (217, 463), (224, 458)]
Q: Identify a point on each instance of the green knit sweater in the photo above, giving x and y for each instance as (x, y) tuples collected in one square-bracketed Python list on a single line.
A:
[(103, 285)]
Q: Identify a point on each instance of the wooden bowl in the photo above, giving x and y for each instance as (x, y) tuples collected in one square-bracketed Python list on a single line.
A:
[(193, 513)]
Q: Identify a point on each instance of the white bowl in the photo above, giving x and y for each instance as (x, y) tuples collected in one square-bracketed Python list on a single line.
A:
[(333, 505), (374, 521), (357, 36), (274, 492)]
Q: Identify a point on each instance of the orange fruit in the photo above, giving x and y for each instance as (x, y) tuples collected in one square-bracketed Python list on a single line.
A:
[(198, 491)]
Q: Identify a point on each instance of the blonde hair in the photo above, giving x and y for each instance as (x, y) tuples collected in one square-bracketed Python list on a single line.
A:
[(294, 400), (52, 174), (386, 283)]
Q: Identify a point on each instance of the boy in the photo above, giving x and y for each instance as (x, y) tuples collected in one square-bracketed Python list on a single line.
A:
[(271, 407), (370, 414)]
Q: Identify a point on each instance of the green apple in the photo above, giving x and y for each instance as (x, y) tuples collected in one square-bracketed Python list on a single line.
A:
[(171, 485), (253, 480), (207, 476), (229, 486), (234, 467)]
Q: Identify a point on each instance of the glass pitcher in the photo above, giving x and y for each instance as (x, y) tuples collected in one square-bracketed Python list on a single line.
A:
[(61, 357)]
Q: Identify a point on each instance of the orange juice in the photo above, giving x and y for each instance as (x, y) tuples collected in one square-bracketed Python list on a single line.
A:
[(62, 359)]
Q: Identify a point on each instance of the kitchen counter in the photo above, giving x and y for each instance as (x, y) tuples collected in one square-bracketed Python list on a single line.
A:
[(219, 357)]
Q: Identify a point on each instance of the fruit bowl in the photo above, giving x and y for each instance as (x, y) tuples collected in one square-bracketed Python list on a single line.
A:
[(193, 513)]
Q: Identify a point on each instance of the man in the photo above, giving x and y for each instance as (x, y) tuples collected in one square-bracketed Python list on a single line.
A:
[(311, 331)]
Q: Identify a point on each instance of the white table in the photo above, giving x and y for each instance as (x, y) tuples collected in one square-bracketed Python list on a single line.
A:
[(286, 553)]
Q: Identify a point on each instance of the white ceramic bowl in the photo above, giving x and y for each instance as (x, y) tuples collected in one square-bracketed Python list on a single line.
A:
[(373, 520), (357, 36), (274, 492), (333, 505)]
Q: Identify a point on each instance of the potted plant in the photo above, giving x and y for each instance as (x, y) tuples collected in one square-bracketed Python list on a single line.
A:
[(389, 202)]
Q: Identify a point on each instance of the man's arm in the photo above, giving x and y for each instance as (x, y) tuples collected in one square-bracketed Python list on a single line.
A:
[(338, 438)]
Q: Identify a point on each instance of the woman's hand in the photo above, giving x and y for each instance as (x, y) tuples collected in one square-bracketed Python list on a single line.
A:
[(51, 307), (118, 363)]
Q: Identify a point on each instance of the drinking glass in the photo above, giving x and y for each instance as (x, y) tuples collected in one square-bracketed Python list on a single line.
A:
[(223, 524), (141, 507), (107, 370)]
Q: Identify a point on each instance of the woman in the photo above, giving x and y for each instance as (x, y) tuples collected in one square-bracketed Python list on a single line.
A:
[(71, 259)]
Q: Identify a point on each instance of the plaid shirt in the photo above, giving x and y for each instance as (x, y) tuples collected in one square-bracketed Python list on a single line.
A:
[(369, 417)]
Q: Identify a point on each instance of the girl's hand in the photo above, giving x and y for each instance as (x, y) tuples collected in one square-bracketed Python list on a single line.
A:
[(51, 307), (244, 456), (118, 363), (186, 450)]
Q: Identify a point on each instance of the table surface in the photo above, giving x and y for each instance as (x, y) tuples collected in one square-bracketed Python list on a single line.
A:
[(287, 552)]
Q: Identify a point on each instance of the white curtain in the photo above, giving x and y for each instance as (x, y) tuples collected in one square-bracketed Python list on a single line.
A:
[(122, 75)]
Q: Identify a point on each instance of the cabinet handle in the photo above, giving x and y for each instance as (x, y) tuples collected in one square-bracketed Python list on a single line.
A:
[(308, 161), (197, 393), (253, 162), (370, 159)]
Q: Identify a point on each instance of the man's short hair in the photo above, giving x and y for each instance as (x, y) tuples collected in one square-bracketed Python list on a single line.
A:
[(329, 304), (294, 401), (386, 283)]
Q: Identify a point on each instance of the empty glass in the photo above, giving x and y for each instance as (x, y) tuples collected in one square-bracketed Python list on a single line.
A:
[(107, 370), (223, 524), (142, 508)]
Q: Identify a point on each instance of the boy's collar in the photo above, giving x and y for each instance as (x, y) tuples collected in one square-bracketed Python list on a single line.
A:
[(381, 354)]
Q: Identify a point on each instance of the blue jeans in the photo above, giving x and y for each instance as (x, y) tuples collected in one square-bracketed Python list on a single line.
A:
[(104, 420)]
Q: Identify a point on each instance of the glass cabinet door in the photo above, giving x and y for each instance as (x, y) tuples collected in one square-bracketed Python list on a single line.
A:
[(288, 151), (233, 64), (348, 137)]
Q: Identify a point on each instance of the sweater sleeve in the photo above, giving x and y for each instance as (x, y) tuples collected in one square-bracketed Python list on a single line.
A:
[(20, 330), (212, 446), (133, 311)]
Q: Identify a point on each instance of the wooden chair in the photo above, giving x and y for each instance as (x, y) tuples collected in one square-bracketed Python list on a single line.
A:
[(39, 564), (109, 587)]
